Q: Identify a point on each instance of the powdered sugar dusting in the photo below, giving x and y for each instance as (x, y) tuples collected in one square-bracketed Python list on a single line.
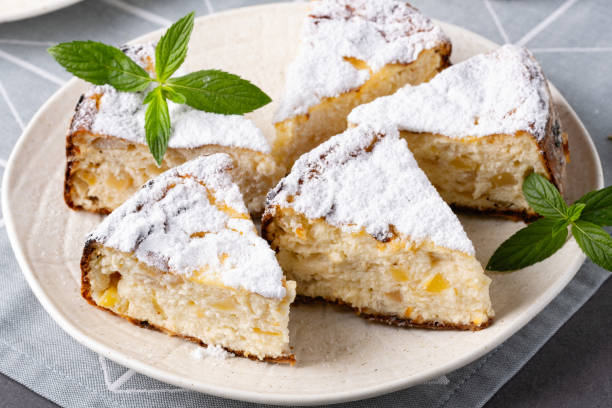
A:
[(378, 32), (366, 178), (144, 55), (501, 92), (191, 220), (122, 115), (217, 352)]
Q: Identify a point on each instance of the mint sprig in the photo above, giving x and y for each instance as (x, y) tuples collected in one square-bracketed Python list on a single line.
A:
[(532, 244), (208, 90), (220, 92), (544, 197), (598, 207), (171, 49), (101, 64), (547, 235), (157, 123), (594, 242)]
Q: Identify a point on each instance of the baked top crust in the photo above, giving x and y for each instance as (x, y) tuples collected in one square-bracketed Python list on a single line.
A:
[(501, 92), (191, 220), (105, 111), (375, 32), (367, 179)]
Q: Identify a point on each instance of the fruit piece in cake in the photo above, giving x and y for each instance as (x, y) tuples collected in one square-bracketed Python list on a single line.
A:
[(352, 52), (183, 256), (479, 128), (108, 159), (357, 222)]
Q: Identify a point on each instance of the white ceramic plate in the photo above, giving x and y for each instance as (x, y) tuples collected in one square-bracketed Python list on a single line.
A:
[(12, 10), (340, 356)]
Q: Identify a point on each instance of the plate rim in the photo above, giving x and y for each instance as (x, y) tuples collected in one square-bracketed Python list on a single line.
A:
[(247, 395), (30, 12)]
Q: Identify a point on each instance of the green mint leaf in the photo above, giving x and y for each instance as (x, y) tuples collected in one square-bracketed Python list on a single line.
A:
[(574, 211), (174, 96), (598, 207), (150, 96), (157, 124), (544, 197), (219, 92), (527, 246), (558, 226), (171, 49), (594, 242), (101, 64)]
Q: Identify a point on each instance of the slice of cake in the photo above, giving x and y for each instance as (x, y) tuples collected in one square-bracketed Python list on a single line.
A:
[(357, 222), (351, 52), (182, 256), (108, 160), (479, 128)]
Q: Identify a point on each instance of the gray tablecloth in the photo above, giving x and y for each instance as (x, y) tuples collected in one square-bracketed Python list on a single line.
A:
[(573, 41)]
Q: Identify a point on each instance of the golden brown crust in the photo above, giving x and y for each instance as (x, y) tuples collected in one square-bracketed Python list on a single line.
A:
[(266, 220), (444, 50), (397, 321), (554, 147), (86, 293)]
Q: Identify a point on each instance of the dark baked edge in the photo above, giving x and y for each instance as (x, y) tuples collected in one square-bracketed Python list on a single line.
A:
[(513, 215), (86, 293), (393, 320)]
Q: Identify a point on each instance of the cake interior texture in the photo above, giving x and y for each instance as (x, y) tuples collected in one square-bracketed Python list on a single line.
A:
[(104, 171), (484, 174), (301, 133), (197, 307), (400, 281)]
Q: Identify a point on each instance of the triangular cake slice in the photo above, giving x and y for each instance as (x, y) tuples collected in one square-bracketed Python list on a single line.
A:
[(183, 256), (108, 160), (357, 222), (479, 128), (351, 52)]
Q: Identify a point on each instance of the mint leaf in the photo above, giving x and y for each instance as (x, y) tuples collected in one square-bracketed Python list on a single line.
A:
[(528, 246), (171, 49), (219, 92), (575, 211), (174, 96), (157, 124), (558, 226), (101, 64), (544, 197), (598, 207), (594, 242)]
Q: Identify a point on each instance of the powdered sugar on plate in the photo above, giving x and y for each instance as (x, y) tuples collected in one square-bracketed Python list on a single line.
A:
[(501, 92), (366, 178), (122, 115), (378, 32), (216, 352), (191, 220)]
